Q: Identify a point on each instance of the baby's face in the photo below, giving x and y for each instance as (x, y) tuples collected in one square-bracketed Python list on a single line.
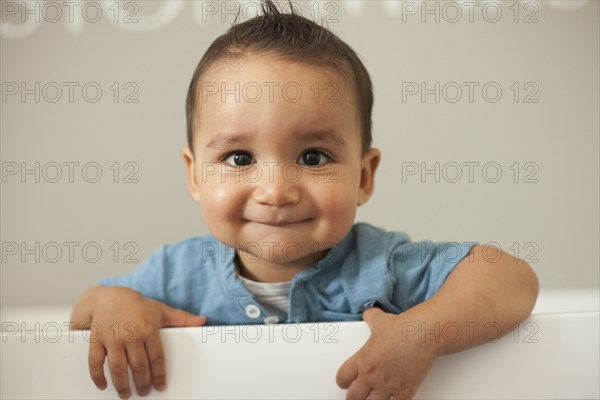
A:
[(278, 169)]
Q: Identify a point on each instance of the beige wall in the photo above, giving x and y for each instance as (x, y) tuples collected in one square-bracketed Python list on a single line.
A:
[(549, 135)]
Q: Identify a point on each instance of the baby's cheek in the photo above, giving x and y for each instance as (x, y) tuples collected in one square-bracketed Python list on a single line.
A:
[(211, 195), (220, 194), (338, 201)]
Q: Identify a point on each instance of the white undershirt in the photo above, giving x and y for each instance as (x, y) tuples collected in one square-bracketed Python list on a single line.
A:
[(274, 297)]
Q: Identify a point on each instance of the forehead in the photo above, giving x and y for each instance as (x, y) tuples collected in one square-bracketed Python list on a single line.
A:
[(263, 94)]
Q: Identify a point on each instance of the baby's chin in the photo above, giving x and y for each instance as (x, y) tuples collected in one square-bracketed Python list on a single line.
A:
[(280, 248), (282, 243), (284, 256)]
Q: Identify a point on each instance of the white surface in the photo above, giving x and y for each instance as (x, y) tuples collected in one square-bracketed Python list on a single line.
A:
[(551, 355), (567, 300)]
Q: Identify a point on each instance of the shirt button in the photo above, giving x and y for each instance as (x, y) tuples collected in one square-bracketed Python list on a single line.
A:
[(271, 319), (252, 311)]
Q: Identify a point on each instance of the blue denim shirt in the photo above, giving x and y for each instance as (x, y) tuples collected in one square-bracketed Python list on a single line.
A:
[(369, 267)]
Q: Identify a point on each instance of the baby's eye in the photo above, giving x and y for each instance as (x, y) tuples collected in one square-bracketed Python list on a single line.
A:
[(314, 157), (239, 159)]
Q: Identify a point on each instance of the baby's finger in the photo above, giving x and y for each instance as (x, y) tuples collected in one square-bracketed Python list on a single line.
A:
[(380, 395), (117, 363), (156, 356), (359, 390), (96, 358), (347, 372), (140, 369)]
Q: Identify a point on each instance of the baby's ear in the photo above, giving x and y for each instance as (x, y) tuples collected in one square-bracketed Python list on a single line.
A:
[(370, 161), (190, 169)]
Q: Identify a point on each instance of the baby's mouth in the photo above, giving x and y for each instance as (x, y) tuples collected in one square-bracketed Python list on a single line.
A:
[(280, 223)]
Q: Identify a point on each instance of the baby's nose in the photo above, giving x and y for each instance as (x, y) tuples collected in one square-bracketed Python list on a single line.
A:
[(276, 188)]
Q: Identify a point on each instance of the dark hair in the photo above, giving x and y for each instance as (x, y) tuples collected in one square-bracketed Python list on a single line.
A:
[(289, 37)]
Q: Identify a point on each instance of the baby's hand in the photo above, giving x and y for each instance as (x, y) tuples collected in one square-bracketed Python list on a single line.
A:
[(386, 365), (125, 327)]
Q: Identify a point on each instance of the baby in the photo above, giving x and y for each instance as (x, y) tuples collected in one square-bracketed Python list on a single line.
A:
[(279, 157)]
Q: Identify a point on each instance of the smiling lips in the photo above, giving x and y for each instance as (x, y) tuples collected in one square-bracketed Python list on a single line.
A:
[(279, 223)]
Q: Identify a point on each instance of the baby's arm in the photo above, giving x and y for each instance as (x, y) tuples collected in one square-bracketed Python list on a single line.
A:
[(125, 327), (400, 352)]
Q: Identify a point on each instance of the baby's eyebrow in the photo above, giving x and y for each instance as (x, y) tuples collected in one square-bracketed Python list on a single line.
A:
[(228, 140), (327, 135)]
